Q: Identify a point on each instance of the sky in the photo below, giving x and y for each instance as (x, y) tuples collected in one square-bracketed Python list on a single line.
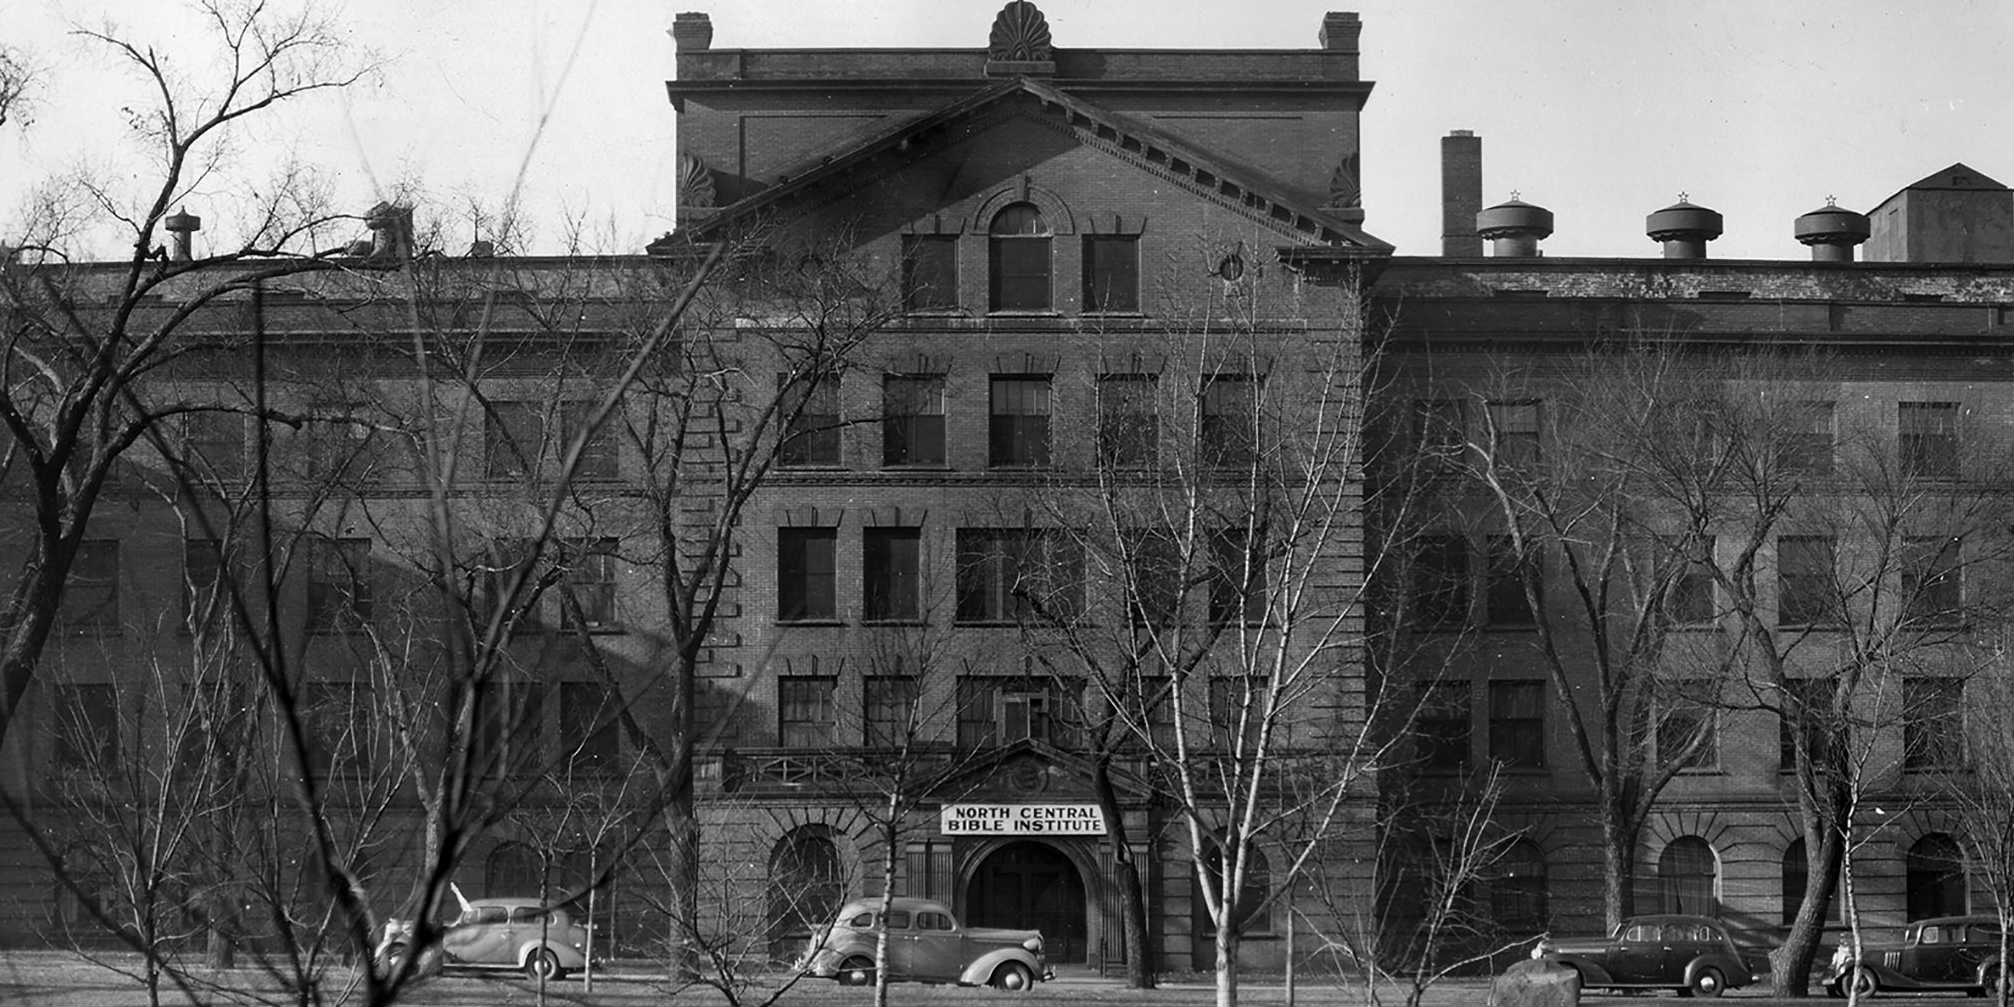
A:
[(1600, 110)]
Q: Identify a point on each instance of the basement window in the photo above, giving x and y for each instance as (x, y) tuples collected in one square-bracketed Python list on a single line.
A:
[(1723, 295)]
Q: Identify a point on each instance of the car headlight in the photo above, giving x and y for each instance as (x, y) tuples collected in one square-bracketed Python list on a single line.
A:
[(1033, 944), (1538, 951)]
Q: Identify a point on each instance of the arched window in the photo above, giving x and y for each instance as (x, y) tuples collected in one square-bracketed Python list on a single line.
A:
[(805, 887), (1686, 877), (1251, 897), (514, 870), (1517, 890), (1020, 265), (1935, 877)]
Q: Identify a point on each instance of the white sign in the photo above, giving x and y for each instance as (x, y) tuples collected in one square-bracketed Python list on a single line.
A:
[(1023, 820)]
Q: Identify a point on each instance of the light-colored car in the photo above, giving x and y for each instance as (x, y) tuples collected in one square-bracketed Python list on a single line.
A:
[(1691, 954), (925, 944), (501, 934)]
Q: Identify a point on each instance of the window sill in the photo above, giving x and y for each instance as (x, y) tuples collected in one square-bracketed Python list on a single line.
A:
[(916, 466), (894, 622), (598, 629), (810, 467), (939, 311), (1024, 313), (1120, 313), (780, 621), (1020, 467)]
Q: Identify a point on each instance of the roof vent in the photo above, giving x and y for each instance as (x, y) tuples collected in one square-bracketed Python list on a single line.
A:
[(1832, 232), (1684, 228), (1514, 228), (182, 226)]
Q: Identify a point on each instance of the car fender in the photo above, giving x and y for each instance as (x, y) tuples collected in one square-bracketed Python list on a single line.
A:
[(1979, 974), (980, 971), (1591, 974), (1732, 973), (569, 958)]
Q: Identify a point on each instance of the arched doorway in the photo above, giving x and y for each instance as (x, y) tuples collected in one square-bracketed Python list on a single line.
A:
[(1031, 885)]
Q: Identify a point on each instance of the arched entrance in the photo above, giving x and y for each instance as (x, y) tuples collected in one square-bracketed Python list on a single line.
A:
[(1031, 885)]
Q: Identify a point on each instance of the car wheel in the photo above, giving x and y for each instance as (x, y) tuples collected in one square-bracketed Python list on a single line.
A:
[(1864, 983), (1012, 976), (1706, 983), (1836, 989), (855, 971), (543, 964)]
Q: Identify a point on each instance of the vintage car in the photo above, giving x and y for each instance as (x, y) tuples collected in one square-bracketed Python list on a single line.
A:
[(1941, 953), (489, 934), (1690, 954), (925, 944)]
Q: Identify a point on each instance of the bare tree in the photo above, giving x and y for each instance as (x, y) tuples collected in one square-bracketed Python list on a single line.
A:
[(19, 77), (1984, 799), (82, 341)]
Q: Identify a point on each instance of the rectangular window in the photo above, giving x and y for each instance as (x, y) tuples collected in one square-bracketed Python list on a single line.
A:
[(1237, 578), (929, 272), (1020, 270), (86, 727), (912, 421), (1157, 698), (1690, 598), (1932, 589), (1804, 581), (1440, 582), (1687, 713), (810, 424), (588, 599), (891, 566), (510, 722), (1517, 724), (1155, 577), (1441, 429), (891, 710), (1018, 424), (1808, 439), (513, 439), (1933, 723), (339, 584), (1236, 701), (1229, 428), (588, 726), (1514, 429), (1928, 439), (216, 444), (1806, 710), (806, 574), (598, 453), (1000, 710), (202, 575), (1444, 725), (340, 443), (1015, 574), (805, 717), (1506, 603), (1111, 272), (1129, 427), (91, 595)]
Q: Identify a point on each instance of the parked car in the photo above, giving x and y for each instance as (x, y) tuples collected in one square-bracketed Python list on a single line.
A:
[(1691, 954), (501, 934), (925, 944), (1941, 953)]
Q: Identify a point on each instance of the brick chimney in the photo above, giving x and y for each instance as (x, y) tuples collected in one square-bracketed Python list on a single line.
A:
[(1340, 30), (1461, 194), (692, 31)]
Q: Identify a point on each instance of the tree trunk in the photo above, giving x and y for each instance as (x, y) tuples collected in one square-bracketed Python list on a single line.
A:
[(1790, 965), (681, 826), (1227, 959), (1618, 872), (1132, 898)]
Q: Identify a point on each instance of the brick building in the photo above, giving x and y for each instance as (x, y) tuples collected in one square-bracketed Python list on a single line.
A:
[(1060, 232)]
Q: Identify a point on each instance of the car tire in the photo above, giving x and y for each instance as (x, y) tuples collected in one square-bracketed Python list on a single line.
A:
[(1707, 982), (1013, 977), (1836, 989), (855, 971), (1864, 983), (543, 964)]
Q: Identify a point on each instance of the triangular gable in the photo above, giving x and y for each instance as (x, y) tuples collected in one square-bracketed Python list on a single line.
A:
[(999, 773), (1958, 176), (1112, 132)]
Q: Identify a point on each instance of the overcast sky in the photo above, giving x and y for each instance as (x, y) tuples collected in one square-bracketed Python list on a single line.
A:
[(1601, 110)]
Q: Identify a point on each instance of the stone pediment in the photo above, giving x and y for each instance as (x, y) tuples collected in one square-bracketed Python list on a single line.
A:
[(1116, 135), (1031, 770)]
